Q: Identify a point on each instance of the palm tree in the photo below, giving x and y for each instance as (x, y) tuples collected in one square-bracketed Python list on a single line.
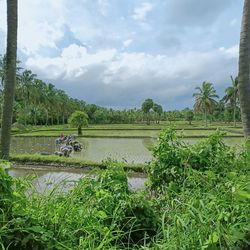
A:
[(244, 70), (232, 96), (25, 89), (10, 81), (204, 99)]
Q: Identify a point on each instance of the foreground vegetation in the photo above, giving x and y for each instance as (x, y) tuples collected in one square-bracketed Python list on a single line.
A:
[(197, 198)]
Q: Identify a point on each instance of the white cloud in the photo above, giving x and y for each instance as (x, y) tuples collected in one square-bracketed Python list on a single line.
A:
[(40, 24), (103, 6), (127, 43), (74, 62), (232, 52), (34, 36), (136, 73), (46, 28), (141, 12)]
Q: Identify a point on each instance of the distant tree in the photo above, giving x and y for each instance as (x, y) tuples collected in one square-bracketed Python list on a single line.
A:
[(158, 111), (218, 112), (189, 116), (10, 80), (79, 119), (204, 99), (244, 69), (232, 97), (147, 105), (227, 115), (100, 116), (90, 110)]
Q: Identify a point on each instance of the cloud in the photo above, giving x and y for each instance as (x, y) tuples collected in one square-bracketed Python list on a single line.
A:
[(141, 12), (103, 6), (73, 62), (195, 12), (127, 43), (232, 52), (111, 53), (109, 77), (43, 35)]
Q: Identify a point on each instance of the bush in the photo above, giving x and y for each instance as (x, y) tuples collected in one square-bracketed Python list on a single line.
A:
[(98, 213), (6, 192), (173, 158)]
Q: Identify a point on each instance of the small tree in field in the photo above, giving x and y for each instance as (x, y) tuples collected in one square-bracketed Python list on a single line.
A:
[(190, 116), (79, 119)]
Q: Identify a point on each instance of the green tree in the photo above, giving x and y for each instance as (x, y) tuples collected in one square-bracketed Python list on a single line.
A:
[(79, 119), (232, 96), (204, 99), (244, 69), (158, 111), (190, 116), (10, 81), (147, 105), (25, 90)]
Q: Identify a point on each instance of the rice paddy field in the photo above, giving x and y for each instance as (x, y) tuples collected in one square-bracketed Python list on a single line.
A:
[(129, 143)]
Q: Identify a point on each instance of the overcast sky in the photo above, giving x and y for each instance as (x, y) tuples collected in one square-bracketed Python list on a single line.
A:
[(116, 53)]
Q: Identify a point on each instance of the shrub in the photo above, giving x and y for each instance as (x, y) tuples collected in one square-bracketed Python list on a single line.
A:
[(167, 165), (173, 158)]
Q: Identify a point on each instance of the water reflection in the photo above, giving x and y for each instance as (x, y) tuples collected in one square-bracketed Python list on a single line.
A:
[(63, 179)]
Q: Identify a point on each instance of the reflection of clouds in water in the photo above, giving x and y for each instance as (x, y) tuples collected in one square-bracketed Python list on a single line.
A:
[(47, 180)]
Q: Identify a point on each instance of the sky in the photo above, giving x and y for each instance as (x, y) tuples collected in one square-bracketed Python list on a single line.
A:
[(117, 53)]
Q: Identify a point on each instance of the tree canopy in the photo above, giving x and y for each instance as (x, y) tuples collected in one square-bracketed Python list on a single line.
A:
[(79, 119)]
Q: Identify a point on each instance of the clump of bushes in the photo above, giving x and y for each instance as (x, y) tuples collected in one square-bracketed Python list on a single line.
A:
[(173, 158), (98, 213), (202, 192)]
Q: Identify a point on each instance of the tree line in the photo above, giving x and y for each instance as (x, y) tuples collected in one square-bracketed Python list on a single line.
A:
[(40, 103)]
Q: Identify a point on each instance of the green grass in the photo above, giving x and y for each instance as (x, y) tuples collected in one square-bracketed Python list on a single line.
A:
[(127, 133), (139, 126), (53, 160)]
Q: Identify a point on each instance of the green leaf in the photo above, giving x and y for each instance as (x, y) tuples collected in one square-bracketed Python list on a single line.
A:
[(242, 194)]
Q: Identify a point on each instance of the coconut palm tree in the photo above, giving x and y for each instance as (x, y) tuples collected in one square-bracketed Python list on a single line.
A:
[(244, 69), (10, 80), (232, 96), (25, 90), (204, 99)]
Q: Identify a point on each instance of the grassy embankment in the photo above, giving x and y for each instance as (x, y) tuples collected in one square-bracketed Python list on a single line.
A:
[(62, 162)]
